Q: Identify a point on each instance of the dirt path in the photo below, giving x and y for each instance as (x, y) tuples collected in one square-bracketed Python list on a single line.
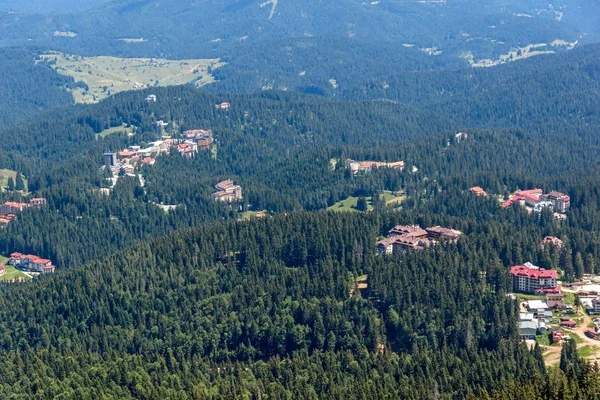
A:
[(552, 354)]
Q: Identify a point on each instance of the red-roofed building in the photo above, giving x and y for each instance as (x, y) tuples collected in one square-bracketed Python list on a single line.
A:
[(530, 279), (557, 336), (224, 106), (48, 269), (126, 154), (569, 323), (2, 269), (478, 191), (148, 161)]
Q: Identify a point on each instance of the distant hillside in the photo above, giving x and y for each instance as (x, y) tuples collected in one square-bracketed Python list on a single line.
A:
[(27, 88), (547, 92), (193, 29)]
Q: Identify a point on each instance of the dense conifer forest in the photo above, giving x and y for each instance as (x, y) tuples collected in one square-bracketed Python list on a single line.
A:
[(200, 302)]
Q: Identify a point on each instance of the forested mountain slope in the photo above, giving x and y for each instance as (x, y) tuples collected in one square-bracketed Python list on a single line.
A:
[(191, 29), (256, 309), (546, 92), (27, 88)]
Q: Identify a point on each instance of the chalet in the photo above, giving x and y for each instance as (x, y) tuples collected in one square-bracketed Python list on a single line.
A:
[(591, 333), (478, 191), (223, 106), (439, 233), (552, 241), (385, 246), (557, 336), (569, 324), (555, 300), (2, 269), (148, 161), (227, 192), (151, 98), (529, 278)]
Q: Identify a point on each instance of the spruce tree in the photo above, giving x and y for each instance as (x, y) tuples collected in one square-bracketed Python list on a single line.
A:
[(19, 184)]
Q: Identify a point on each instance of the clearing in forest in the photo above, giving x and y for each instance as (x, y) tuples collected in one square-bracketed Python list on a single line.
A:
[(11, 272), (105, 76), (4, 175)]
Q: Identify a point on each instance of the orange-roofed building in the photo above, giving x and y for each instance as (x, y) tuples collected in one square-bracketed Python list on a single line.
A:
[(478, 191)]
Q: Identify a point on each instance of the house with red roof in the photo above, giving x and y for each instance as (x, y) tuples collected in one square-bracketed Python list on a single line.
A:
[(530, 279), (2, 269)]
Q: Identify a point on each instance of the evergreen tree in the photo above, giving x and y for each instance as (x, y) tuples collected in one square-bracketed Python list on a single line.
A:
[(19, 183)]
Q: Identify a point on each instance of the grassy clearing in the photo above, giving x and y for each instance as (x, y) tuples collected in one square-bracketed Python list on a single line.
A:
[(391, 199), (349, 205), (544, 339), (117, 129), (7, 173), (106, 76), (248, 215), (11, 272), (588, 351), (530, 296)]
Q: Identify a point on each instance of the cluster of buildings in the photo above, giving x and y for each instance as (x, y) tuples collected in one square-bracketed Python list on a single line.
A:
[(31, 263), (125, 161), (412, 237), (540, 316), (555, 201), (367, 166), (10, 209), (227, 191)]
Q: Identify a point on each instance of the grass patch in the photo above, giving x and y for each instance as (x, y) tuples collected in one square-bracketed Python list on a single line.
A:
[(530, 296), (391, 199), (587, 351), (7, 173), (574, 336), (570, 298), (248, 215), (349, 205), (544, 338), (13, 273), (117, 129), (106, 76)]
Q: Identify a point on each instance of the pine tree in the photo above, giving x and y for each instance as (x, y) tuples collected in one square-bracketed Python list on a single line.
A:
[(11, 184), (19, 184)]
